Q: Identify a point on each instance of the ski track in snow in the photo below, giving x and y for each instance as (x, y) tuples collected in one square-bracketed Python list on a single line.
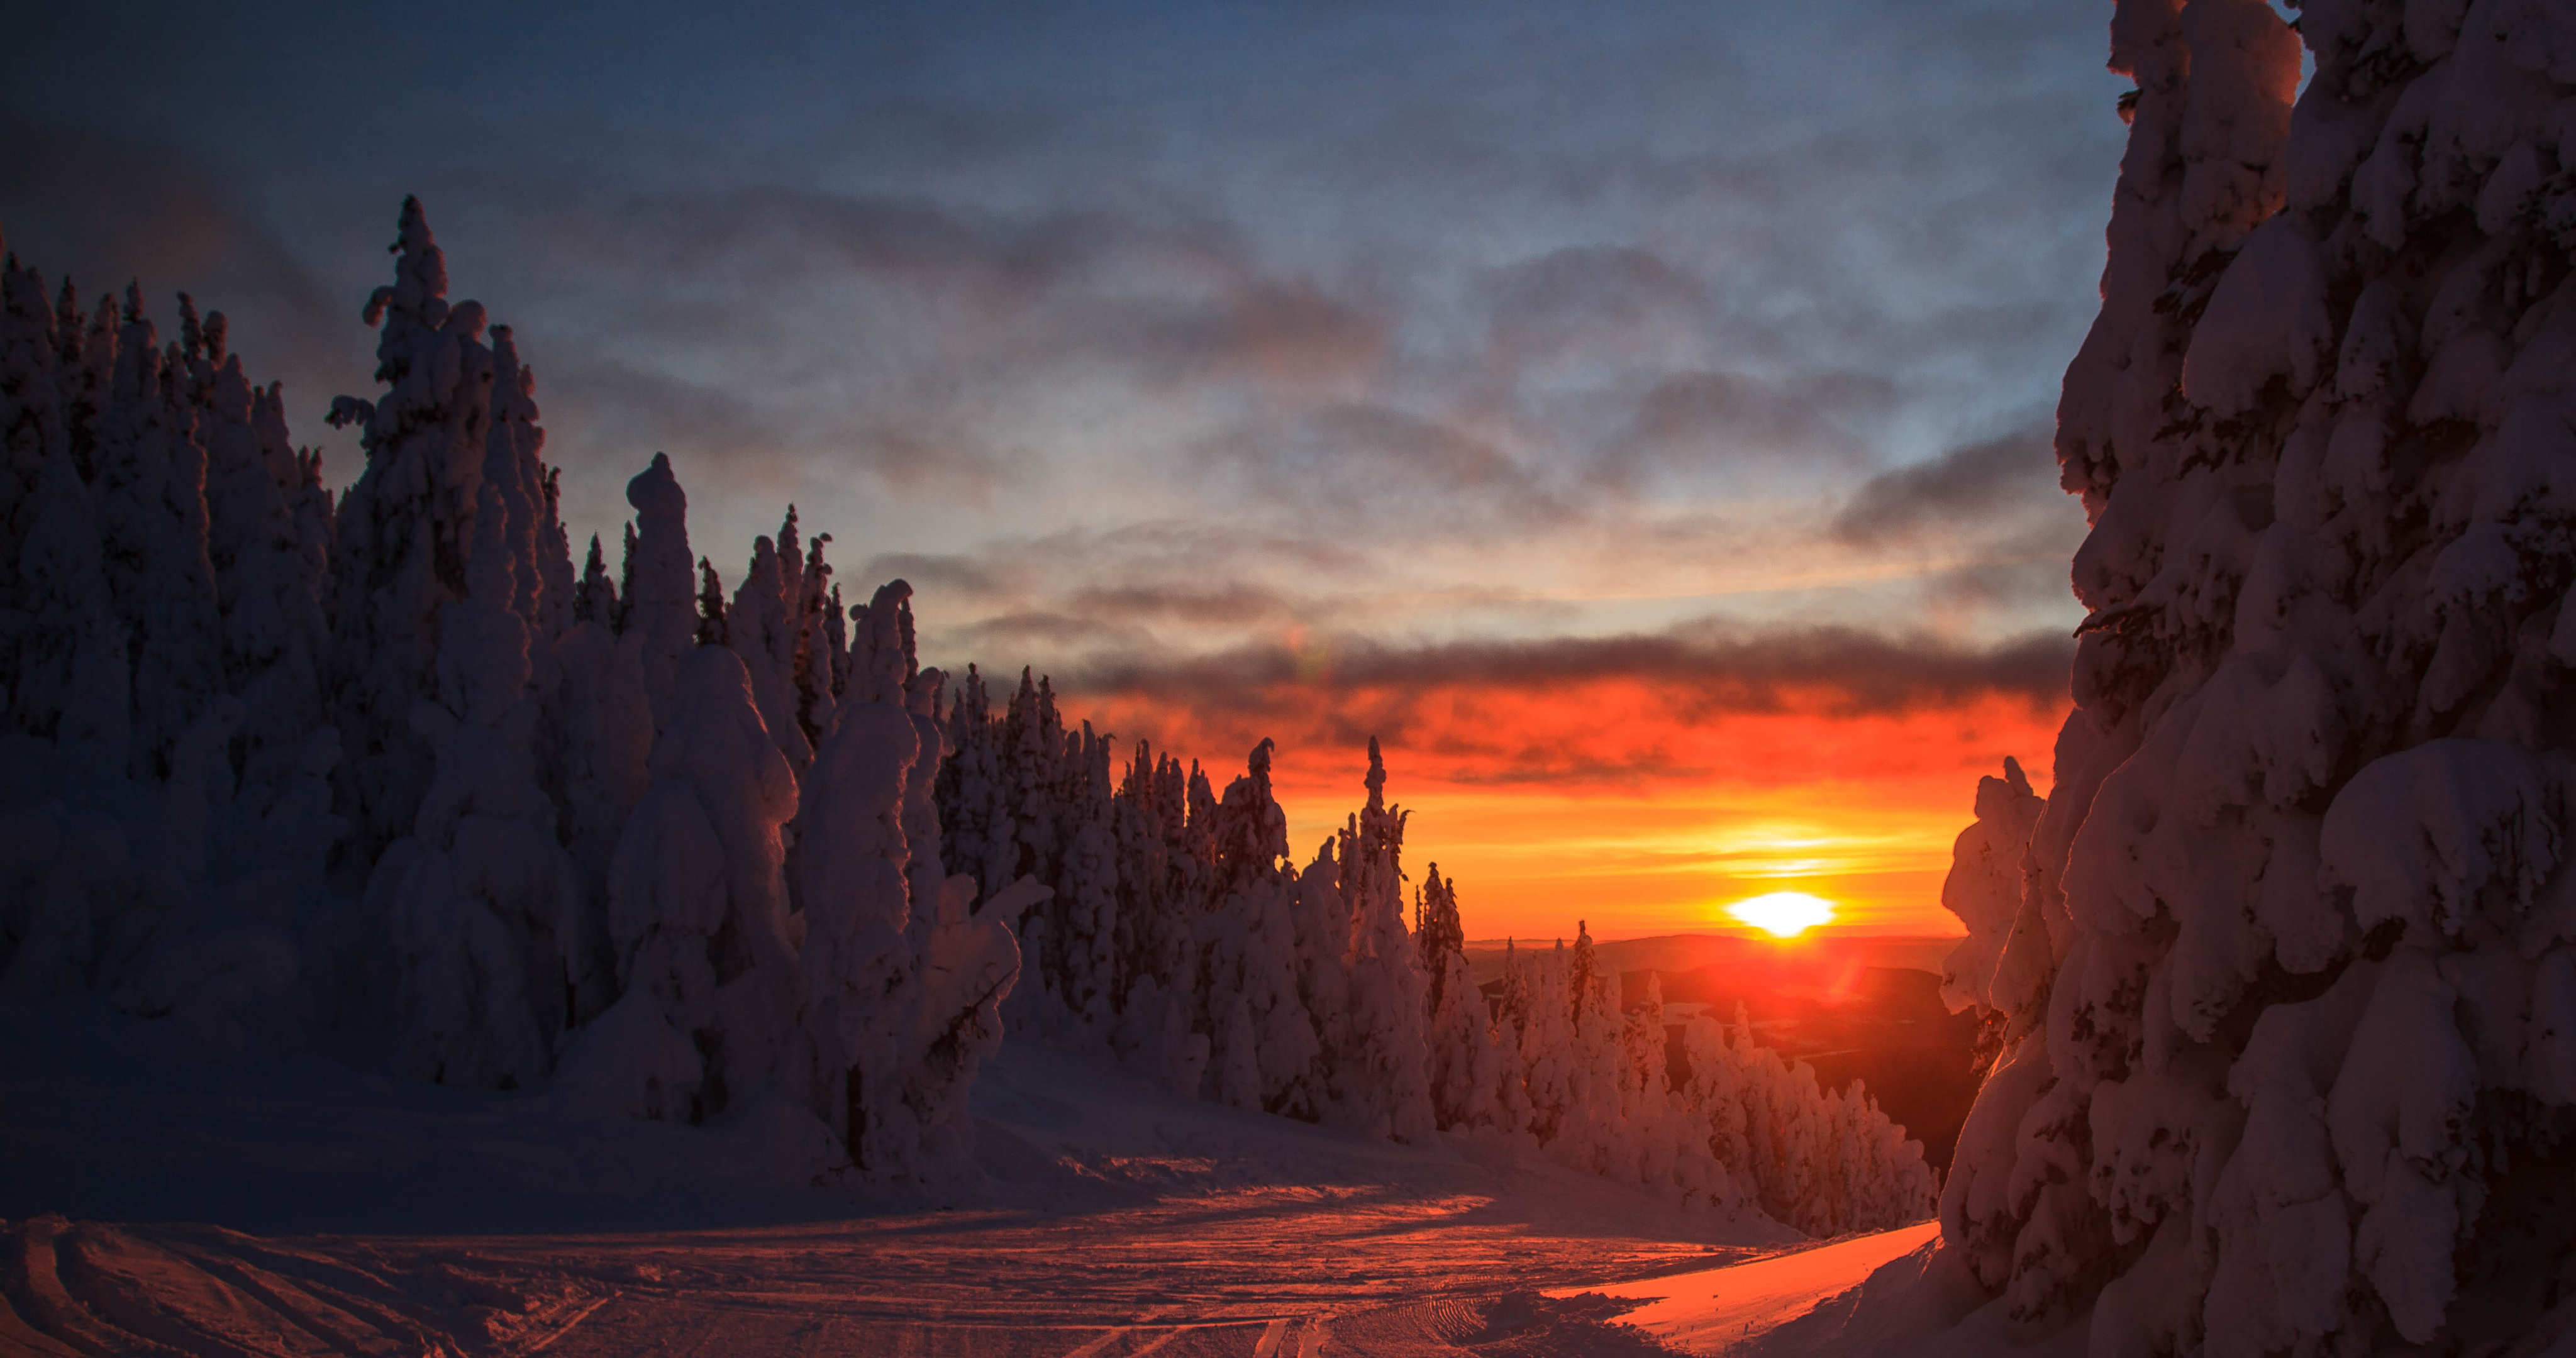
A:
[(1273, 1273), (1117, 1223)]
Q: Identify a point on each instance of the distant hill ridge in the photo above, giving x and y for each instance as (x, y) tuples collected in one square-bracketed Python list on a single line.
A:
[(1671, 953)]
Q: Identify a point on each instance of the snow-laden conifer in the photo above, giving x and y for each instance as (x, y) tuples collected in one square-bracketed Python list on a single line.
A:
[(821, 652), (275, 637), (659, 592), (405, 529), (2282, 1080), (73, 674), (151, 493), (1381, 1077), (480, 900), (763, 626), (2005, 958), (31, 413), (697, 906)]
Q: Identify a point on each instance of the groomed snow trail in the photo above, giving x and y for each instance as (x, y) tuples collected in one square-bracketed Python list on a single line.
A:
[(1116, 1223), (1276, 1274)]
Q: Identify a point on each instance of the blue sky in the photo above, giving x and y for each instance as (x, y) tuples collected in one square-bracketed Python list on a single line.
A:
[(1191, 334)]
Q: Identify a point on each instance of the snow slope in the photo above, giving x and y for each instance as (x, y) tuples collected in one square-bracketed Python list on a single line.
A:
[(354, 1213)]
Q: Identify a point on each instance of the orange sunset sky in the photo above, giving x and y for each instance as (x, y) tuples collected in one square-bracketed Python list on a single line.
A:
[(1625, 804)]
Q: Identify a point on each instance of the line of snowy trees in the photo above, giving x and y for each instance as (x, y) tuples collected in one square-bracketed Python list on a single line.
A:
[(1182, 938), (386, 771), (2284, 968)]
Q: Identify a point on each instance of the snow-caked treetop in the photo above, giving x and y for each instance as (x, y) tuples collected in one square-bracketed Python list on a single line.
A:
[(383, 775), (2283, 972)]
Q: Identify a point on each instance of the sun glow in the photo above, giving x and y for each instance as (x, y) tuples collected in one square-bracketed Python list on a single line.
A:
[(1783, 914)]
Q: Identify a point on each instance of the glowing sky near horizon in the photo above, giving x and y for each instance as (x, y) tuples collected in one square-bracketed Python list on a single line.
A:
[(1637, 418)]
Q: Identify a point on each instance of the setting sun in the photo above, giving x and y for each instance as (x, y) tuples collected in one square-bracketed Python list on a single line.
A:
[(1783, 914)]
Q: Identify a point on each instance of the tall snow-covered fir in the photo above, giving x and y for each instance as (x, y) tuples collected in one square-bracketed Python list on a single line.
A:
[(2284, 969)]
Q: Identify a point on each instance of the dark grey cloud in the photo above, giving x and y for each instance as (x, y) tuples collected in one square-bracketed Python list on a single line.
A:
[(1369, 464), (1426, 699), (2033, 584), (1165, 293), (1020, 634), (1712, 665), (1230, 604), (958, 575), (1972, 490)]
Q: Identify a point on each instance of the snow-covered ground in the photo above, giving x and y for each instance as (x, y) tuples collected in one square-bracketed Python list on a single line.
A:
[(1714, 1309), (295, 1208)]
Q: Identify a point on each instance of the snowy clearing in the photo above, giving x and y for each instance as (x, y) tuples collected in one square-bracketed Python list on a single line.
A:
[(396, 1218)]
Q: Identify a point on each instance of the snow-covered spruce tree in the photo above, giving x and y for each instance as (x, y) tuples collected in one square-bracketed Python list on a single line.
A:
[(697, 920), (857, 955), (1066, 815), (449, 687), (481, 901), (964, 956), (659, 599), (71, 674), (530, 538), (1162, 876), (764, 626), (2003, 965), (1253, 1004), (974, 817), (1589, 1134), (269, 580), (602, 744), (31, 417), (1466, 1072), (2294, 1071), (405, 529), (1381, 1078), (1538, 1014), (70, 716), (151, 493), (65, 650)]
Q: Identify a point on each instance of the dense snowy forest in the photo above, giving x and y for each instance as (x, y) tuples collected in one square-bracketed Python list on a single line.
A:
[(381, 774), (2284, 968)]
